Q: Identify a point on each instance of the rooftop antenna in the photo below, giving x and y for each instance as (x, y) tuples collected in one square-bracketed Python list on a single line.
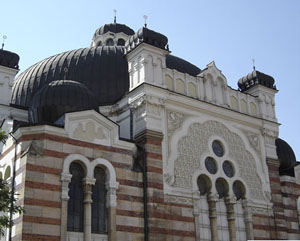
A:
[(253, 62), (115, 17), (145, 17), (4, 38)]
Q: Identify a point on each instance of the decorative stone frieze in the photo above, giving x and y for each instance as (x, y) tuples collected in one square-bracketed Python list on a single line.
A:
[(174, 122), (192, 146)]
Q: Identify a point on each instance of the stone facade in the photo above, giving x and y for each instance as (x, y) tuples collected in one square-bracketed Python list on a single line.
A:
[(165, 178)]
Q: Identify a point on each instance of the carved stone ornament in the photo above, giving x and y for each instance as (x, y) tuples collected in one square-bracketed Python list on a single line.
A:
[(253, 140), (169, 179), (88, 131), (269, 135), (190, 149), (147, 105), (174, 122), (178, 200), (36, 148)]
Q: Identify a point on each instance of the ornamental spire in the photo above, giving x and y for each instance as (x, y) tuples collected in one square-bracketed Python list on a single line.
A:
[(115, 17)]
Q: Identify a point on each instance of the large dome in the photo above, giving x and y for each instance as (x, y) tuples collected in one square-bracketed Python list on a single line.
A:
[(103, 70)]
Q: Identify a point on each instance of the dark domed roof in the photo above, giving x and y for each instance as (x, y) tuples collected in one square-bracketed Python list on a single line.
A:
[(254, 78), (181, 65), (145, 35), (59, 97), (9, 59), (114, 28), (103, 70), (286, 157)]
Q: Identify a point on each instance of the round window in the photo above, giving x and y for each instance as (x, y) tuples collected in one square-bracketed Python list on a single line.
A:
[(211, 165), (218, 148), (228, 168)]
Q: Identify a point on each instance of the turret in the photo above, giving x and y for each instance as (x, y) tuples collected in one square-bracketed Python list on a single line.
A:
[(263, 87), (146, 55)]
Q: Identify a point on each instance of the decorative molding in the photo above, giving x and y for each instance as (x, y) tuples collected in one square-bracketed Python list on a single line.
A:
[(169, 178), (269, 135), (253, 140), (174, 123), (36, 148), (178, 200), (89, 131), (65, 179), (191, 147)]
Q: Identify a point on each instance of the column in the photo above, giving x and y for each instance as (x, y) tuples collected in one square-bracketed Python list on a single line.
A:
[(212, 200), (231, 217), (111, 204), (87, 201), (248, 220), (65, 179)]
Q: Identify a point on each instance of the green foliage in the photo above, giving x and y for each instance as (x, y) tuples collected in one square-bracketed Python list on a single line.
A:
[(3, 136), (5, 206)]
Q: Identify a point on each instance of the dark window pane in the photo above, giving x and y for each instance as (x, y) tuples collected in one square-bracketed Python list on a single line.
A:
[(239, 190), (75, 202), (110, 42), (204, 184), (228, 169), (218, 148), (99, 210), (222, 187), (211, 165), (121, 42)]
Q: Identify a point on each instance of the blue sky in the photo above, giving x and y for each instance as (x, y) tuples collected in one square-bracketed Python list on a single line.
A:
[(230, 32)]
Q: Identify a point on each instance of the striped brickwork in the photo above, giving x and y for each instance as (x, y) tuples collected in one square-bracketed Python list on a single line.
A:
[(42, 188), (282, 222), (290, 191), (167, 221)]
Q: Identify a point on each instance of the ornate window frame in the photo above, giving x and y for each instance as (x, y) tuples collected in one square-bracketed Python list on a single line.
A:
[(111, 201)]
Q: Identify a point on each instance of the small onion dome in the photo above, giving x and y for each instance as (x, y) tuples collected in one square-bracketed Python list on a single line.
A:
[(286, 158), (145, 35), (114, 28), (255, 78), (181, 65), (58, 98), (9, 59)]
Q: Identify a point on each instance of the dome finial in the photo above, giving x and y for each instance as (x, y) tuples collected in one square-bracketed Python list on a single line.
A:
[(253, 63), (145, 17), (4, 38), (115, 17)]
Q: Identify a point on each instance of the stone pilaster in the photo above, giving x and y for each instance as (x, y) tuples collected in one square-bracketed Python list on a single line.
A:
[(212, 201), (111, 204), (248, 220), (65, 179), (87, 222), (231, 217)]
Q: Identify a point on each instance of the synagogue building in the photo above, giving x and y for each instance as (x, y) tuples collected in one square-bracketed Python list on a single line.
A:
[(123, 141)]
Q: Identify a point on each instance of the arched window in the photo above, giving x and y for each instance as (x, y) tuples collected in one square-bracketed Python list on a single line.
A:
[(110, 42), (99, 210), (75, 202), (121, 42), (169, 82), (180, 87)]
